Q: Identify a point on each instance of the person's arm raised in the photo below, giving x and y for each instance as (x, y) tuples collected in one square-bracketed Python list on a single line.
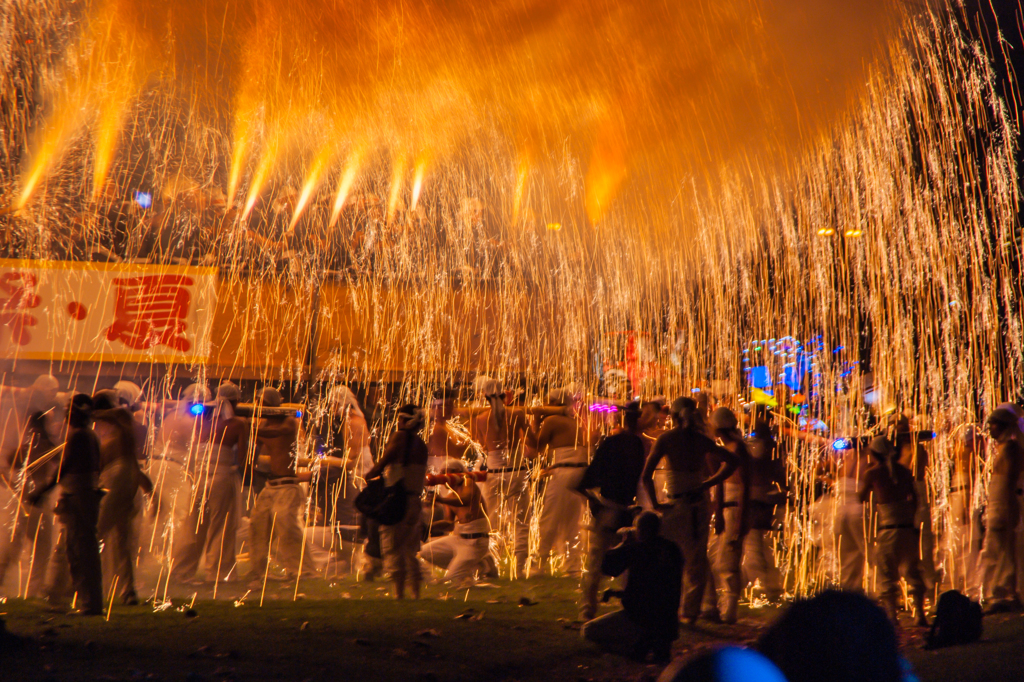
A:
[(392, 453)]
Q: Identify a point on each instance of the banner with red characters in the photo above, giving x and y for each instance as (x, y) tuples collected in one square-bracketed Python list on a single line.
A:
[(58, 310)]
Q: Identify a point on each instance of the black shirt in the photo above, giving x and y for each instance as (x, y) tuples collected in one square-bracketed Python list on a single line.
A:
[(651, 597), (81, 453), (616, 468)]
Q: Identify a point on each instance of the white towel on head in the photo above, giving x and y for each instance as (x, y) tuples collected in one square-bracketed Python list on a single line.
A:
[(342, 397)]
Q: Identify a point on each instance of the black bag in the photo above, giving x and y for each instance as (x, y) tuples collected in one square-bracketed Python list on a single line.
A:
[(957, 621), (385, 504)]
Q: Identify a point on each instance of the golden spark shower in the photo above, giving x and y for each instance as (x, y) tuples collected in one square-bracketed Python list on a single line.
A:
[(640, 199)]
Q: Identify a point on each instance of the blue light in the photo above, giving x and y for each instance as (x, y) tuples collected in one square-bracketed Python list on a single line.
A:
[(792, 376), (840, 444), (196, 409), (298, 414), (759, 377), (733, 664), (143, 199)]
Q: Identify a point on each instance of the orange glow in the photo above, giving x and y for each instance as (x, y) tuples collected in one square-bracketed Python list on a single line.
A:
[(312, 182), (348, 178), (397, 182), (259, 177), (417, 183)]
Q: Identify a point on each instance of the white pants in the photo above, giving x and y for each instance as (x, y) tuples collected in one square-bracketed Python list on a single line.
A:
[(560, 518), (172, 497), (31, 526), (963, 545), (759, 563), (507, 496), (277, 514), (116, 525), (899, 556), (208, 531), (460, 556), (998, 563), (926, 542), (851, 545), (400, 543), (726, 554)]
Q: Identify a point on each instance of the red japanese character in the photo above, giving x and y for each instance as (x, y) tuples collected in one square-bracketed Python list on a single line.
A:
[(21, 288), (150, 311)]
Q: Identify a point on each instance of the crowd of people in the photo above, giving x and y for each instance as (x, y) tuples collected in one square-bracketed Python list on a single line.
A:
[(683, 498)]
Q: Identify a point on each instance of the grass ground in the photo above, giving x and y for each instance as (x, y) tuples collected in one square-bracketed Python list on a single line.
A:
[(341, 629)]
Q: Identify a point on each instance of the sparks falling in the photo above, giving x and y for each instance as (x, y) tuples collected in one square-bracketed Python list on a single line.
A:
[(842, 173)]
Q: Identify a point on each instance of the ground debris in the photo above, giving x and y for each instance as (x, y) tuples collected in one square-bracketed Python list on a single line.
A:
[(428, 632), (570, 624)]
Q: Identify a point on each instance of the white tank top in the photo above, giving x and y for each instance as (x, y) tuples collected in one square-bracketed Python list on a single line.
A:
[(571, 455), (480, 525), (848, 490), (679, 482), (733, 492), (498, 459)]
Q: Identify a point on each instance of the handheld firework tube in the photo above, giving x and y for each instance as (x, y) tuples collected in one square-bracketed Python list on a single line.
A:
[(247, 409), (455, 479), (286, 410)]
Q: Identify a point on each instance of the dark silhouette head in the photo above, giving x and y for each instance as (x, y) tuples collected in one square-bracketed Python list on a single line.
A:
[(1003, 422), (834, 637), (410, 418), (105, 400), (271, 397), (80, 412), (683, 410), (229, 392), (631, 415), (724, 421), (647, 526)]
